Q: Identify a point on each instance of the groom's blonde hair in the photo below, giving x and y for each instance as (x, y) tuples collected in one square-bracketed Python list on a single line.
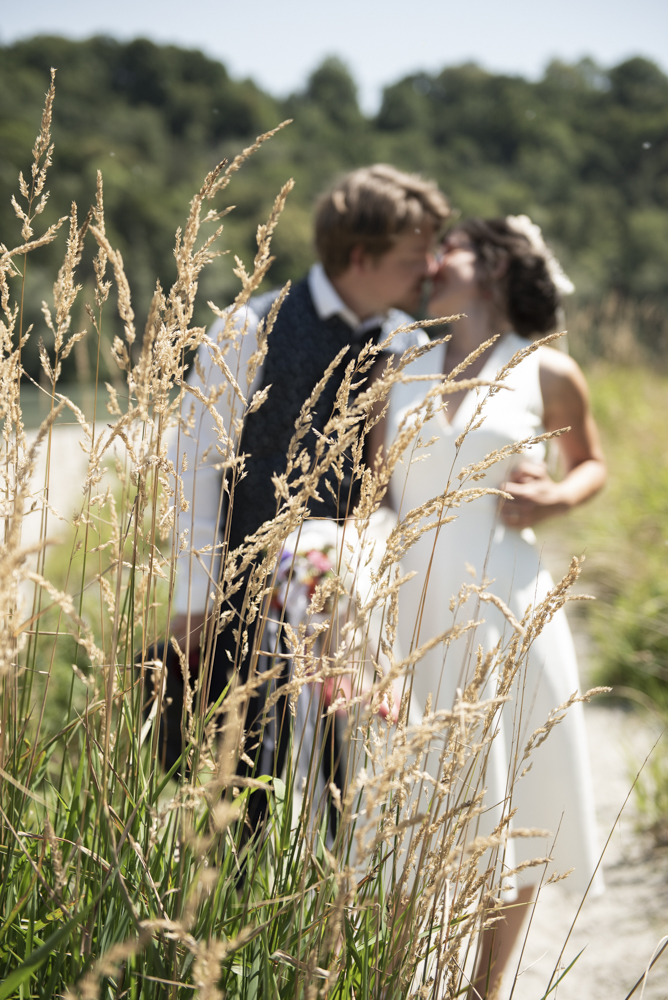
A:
[(371, 207)]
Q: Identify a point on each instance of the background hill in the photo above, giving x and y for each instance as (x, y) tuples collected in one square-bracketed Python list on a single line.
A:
[(584, 151)]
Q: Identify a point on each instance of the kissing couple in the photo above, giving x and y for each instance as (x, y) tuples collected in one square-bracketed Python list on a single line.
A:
[(381, 242)]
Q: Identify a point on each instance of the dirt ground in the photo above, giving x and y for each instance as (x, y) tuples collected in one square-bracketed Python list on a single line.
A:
[(620, 929)]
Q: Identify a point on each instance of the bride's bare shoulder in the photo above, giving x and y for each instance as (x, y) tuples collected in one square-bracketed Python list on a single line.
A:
[(558, 365), (562, 382)]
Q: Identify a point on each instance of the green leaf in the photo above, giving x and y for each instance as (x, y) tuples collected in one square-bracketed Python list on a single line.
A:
[(40, 955), (564, 973)]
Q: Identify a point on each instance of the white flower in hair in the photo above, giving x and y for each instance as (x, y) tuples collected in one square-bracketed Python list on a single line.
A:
[(522, 224)]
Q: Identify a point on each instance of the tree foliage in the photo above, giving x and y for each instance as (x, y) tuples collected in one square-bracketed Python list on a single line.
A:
[(584, 151)]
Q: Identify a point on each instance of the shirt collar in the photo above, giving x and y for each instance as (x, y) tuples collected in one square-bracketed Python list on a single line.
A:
[(328, 302)]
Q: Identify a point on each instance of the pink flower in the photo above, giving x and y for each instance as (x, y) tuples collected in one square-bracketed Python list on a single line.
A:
[(319, 560)]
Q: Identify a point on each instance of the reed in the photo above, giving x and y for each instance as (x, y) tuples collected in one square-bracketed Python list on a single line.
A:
[(120, 880)]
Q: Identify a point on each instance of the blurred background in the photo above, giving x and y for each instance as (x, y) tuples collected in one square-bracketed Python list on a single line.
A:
[(560, 113)]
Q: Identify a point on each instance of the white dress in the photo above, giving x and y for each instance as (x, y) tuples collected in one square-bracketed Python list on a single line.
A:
[(557, 793)]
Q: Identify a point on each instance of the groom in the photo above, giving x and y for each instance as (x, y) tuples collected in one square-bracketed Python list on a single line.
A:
[(375, 232)]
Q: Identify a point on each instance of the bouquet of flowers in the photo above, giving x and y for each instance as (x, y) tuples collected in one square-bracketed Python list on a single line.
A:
[(299, 572)]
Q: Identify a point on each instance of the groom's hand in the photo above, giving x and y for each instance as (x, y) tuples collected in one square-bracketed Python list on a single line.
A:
[(535, 496)]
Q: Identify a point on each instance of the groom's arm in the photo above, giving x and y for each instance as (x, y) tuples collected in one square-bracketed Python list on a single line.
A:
[(198, 463)]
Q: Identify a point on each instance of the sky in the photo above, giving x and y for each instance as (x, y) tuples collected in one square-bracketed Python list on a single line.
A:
[(279, 42)]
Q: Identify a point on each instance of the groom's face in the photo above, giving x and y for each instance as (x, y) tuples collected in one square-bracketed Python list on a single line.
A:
[(397, 277)]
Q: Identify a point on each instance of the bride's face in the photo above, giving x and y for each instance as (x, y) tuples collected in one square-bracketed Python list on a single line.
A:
[(455, 283)]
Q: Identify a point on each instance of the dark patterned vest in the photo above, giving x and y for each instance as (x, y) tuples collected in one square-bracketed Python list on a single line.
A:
[(300, 347)]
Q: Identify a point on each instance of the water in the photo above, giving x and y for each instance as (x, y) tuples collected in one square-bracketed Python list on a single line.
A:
[(36, 404)]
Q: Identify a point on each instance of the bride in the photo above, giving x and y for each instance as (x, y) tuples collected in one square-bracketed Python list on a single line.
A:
[(507, 285)]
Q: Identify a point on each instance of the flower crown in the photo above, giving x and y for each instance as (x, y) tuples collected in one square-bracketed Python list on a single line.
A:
[(523, 225)]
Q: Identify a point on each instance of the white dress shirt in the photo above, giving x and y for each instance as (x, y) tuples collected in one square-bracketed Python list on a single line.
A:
[(199, 527)]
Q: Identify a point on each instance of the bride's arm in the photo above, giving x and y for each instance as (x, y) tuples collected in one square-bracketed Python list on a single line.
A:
[(566, 404)]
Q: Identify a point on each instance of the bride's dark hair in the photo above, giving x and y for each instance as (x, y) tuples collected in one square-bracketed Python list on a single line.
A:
[(529, 295)]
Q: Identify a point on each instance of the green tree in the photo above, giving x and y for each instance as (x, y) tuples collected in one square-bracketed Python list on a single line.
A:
[(584, 151)]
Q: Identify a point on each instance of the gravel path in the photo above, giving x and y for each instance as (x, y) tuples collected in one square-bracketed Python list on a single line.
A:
[(620, 929)]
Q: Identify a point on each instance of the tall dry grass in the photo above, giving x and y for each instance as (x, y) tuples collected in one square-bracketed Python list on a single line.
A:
[(620, 331), (119, 880)]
